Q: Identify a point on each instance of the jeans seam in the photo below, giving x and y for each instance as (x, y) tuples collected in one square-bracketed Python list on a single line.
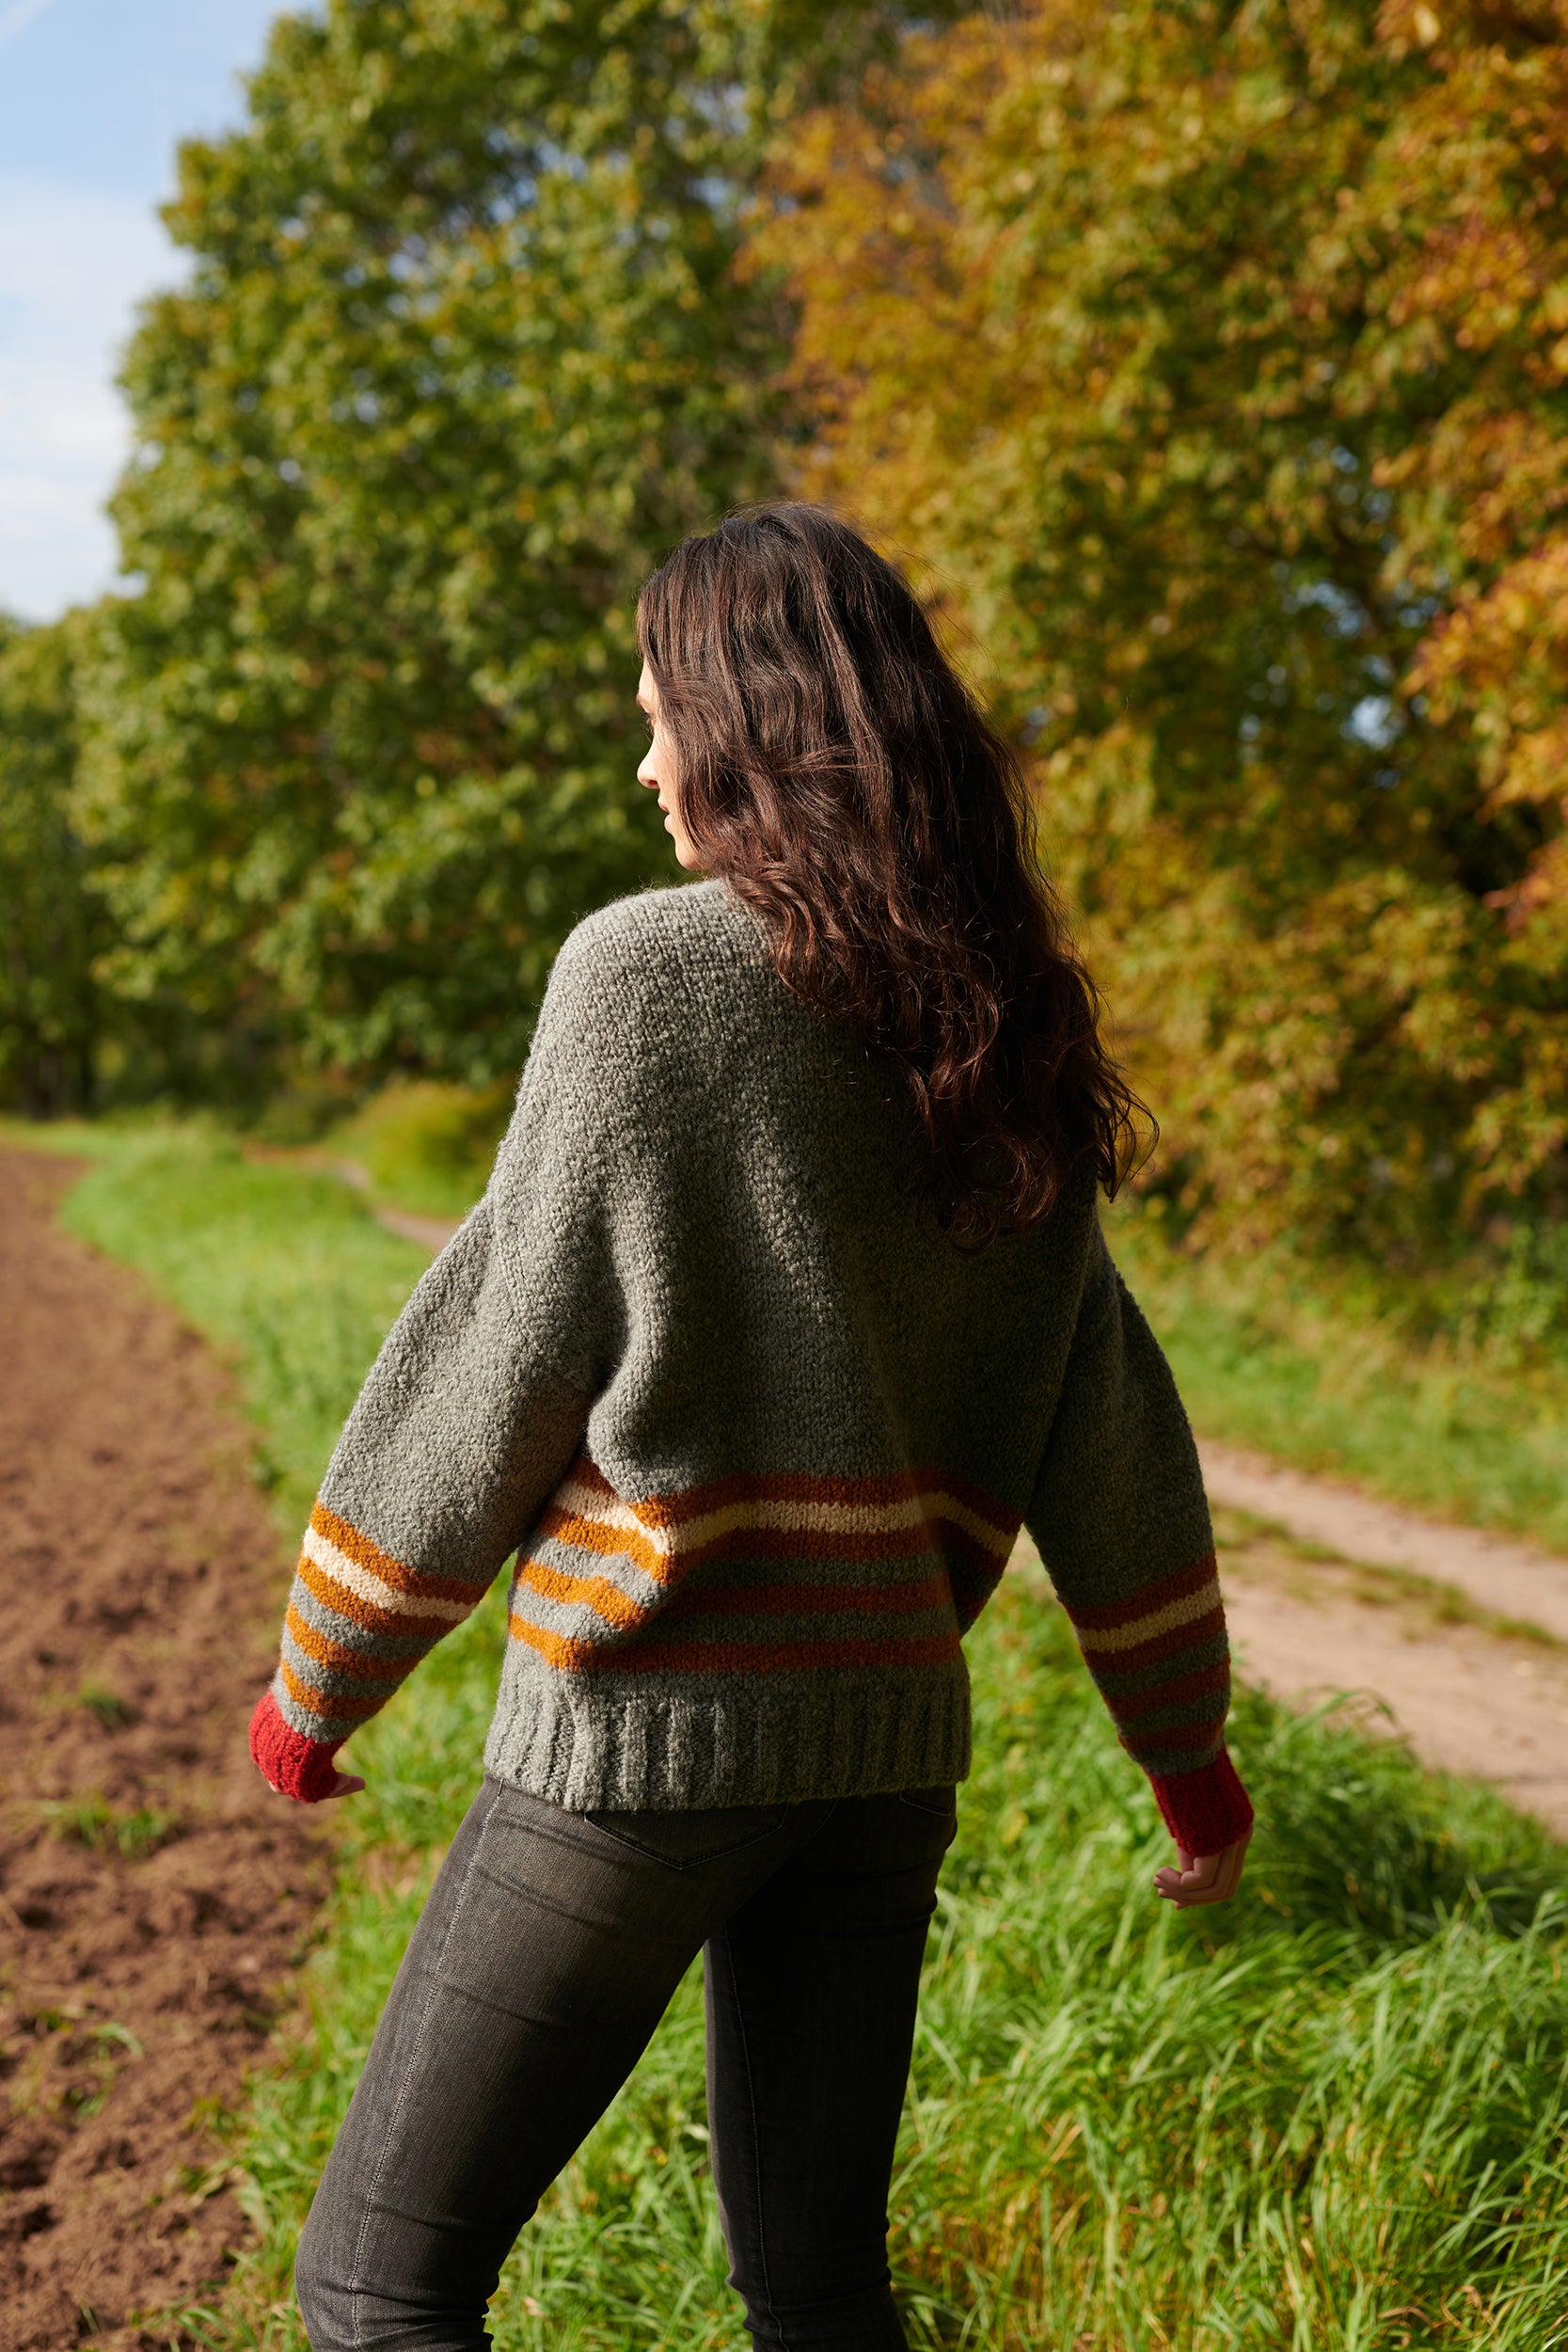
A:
[(355, 2287), (756, 2135)]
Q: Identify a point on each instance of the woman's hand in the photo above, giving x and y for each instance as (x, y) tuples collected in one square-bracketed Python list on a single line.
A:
[(1210, 1877), (344, 1785)]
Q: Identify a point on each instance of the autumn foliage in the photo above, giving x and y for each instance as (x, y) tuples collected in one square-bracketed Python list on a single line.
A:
[(1209, 363)]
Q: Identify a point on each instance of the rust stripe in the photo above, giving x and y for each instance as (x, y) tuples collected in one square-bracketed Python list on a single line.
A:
[(1126, 1705), (1213, 1682), (809, 1601), (662, 1657), (700, 1600), (1181, 1638), (1152, 1598), (1201, 1735)]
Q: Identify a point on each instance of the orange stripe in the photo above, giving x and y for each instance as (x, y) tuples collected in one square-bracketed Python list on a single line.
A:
[(397, 1573), (762, 1543), (595, 1592), (341, 1658), (365, 1612), (875, 1492), (318, 1703), (609, 1543)]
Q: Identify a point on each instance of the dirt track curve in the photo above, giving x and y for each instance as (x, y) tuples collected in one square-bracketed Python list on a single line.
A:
[(154, 1898)]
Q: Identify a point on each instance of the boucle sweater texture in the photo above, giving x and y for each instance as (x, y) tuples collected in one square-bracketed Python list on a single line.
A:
[(760, 1437)]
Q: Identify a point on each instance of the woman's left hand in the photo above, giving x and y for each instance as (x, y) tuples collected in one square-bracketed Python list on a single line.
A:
[(1210, 1877)]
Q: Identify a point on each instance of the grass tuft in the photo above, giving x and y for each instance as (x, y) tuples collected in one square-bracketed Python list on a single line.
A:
[(92, 1821)]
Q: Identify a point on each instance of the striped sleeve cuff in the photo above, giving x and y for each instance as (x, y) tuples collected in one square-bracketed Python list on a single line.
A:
[(1205, 1811), (306, 1769)]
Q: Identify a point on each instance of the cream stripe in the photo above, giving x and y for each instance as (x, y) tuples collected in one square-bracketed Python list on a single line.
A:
[(828, 1518), (361, 1582), (1158, 1621)]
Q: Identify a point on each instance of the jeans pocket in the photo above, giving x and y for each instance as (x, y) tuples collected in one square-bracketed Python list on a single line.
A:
[(940, 1803), (683, 1841)]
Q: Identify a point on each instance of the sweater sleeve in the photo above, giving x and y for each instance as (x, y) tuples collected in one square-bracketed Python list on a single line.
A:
[(1122, 1521), (470, 1415)]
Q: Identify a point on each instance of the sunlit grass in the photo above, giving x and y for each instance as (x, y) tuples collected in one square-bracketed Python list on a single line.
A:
[(1320, 1366), (426, 1146), (287, 1271)]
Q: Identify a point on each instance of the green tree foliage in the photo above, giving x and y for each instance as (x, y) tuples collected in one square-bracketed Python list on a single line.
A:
[(50, 926), (1212, 360), (459, 358)]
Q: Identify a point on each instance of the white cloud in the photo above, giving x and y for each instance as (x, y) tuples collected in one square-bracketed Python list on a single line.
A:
[(73, 265)]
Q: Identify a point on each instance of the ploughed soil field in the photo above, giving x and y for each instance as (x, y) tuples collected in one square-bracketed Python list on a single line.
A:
[(153, 1895)]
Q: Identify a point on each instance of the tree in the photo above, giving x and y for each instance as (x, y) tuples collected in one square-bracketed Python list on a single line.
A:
[(1206, 360), (460, 358), (50, 926)]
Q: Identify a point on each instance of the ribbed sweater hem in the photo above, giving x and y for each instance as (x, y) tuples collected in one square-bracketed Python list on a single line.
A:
[(669, 1753)]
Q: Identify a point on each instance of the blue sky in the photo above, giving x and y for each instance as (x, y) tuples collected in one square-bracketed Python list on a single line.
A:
[(94, 96)]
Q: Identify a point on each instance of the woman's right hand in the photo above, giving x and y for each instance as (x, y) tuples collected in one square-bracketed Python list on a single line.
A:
[(1212, 1878), (346, 1785)]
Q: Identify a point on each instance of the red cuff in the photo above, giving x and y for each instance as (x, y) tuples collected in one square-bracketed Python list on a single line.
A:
[(1204, 1811), (302, 1769)]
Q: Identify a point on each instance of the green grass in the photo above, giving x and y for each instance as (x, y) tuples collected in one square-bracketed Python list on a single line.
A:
[(426, 1146), (288, 1272), (1332, 2117), (1324, 1368)]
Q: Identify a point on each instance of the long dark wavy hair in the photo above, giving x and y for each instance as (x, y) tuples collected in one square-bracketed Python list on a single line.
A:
[(835, 772)]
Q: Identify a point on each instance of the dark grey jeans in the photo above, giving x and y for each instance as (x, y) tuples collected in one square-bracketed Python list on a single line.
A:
[(545, 1958)]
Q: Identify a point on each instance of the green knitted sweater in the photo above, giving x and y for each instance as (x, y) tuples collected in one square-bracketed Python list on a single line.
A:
[(760, 1437)]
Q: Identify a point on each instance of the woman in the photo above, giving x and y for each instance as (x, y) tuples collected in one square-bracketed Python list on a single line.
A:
[(786, 1306)]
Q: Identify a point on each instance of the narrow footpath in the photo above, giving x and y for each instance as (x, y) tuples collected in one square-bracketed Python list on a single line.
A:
[(1454, 1637), (153, 1897)]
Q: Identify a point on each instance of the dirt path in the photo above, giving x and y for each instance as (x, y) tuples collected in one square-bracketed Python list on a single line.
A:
[(1501, 1573), (1438, 1625), (154, 1898)]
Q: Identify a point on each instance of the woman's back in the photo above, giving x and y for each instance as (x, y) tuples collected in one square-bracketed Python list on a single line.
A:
[(786, 1307), (763, 1434)]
